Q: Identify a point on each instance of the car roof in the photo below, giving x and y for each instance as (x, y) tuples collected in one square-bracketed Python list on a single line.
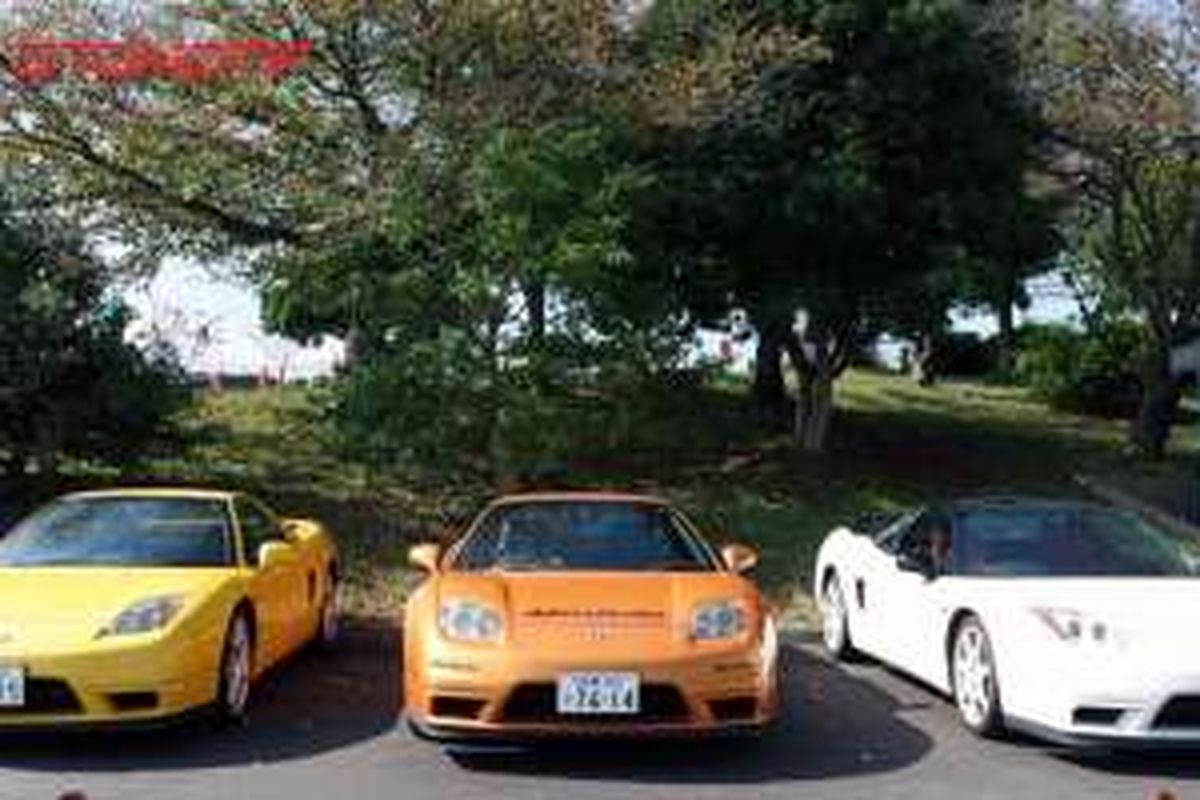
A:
[(579, 496), (168, 493)]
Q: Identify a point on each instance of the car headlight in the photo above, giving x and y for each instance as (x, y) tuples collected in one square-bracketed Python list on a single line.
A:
[(723, 619), (143, 616), (1070, 625), (470, 620)]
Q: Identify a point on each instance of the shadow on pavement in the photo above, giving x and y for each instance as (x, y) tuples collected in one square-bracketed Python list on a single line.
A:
[(833, 725), (314, 703)]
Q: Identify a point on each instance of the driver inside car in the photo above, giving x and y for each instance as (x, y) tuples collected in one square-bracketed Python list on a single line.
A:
[(941, 548)]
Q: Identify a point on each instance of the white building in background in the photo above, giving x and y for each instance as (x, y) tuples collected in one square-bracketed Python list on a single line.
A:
[(1185, 357)]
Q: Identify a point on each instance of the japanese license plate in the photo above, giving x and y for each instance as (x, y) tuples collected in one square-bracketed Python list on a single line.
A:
[(12, 687), (598, 693)]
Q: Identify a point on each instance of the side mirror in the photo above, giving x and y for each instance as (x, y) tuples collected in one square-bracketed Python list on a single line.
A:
[(907, 562), (739, 558), (425, 556), (275, 554), (289, 529), (453, 526)]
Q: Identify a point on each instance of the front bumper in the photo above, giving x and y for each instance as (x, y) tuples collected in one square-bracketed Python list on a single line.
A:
[(136, 683), (1113, 702), (466, 693)]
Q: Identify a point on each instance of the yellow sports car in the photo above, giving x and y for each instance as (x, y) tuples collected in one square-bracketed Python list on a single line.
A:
[(588, 614), (137, 605)]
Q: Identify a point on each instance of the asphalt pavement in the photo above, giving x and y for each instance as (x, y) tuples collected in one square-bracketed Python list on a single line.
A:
[(326, 726)]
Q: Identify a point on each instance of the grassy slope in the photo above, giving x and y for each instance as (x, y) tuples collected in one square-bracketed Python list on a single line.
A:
[(893, 444)]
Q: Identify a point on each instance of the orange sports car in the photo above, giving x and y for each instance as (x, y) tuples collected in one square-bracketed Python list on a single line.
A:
[(586, 614)]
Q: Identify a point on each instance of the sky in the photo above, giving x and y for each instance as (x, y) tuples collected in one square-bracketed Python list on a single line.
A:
[(215, 322)]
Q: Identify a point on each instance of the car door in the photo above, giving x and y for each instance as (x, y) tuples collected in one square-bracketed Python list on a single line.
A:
[(865, 573), (912, 590), (279, 591)]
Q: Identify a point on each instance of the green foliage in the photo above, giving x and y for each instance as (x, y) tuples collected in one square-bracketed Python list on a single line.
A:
[(858, 186), (70, 382), (1091, 373), (496, 291), (1119, 88)]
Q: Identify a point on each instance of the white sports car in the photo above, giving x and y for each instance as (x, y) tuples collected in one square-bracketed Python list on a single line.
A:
[(1064, 619)]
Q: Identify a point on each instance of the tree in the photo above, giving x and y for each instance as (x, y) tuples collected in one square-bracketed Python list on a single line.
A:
[(462, 366), (840, 188), (70, 382), (437, 185), (1121, 94)]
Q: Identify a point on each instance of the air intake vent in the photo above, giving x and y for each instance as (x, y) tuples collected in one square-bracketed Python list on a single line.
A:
[(456, 707), (733, 709), (1180, 712), (1097, 715)]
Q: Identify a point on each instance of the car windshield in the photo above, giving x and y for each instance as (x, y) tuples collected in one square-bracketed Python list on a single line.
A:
[(123, 531), (1065, 541), (582, 536)]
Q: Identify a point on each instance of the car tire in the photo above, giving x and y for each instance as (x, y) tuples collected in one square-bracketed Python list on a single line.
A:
[(835, 620), (973, 675), (329, 621), (236, 670)]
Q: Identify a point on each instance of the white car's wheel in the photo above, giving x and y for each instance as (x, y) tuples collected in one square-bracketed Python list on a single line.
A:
[(237, 669), (976, 689), (835, 619)]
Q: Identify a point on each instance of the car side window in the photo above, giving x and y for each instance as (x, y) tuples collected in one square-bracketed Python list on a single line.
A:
[(890, 539), (258, 527), (929, 541)]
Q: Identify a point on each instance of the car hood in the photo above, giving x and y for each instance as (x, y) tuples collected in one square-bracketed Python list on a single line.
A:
[(56, 607), (1143, 612), (551, 610)]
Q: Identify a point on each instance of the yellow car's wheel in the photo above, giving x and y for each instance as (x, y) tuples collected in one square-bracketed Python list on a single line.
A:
[(330, 624), (237, 669)]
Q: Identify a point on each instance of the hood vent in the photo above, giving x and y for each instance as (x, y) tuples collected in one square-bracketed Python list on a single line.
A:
[(592, 614), (593, 619)]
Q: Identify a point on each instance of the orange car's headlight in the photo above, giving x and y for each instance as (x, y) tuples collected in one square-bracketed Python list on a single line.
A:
[(721, 619), (470, 620)]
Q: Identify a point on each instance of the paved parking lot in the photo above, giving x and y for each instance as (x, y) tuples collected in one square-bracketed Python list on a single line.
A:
[(325, 727)]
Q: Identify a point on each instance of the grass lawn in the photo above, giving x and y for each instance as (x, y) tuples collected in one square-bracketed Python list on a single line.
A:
[(893, 444)]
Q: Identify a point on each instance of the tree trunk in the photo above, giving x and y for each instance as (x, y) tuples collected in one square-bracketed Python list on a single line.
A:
[(924, 371), (1007, 338), (535, 305), (494, 410), (814, 396), (820, 413), (1160, 399), (769, 391)]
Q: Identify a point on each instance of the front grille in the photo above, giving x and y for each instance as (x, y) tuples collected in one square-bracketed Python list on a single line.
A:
[(1180, 712), (456, 707), (536, 702), (732, 709), (46, 696), (1096, 715)]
